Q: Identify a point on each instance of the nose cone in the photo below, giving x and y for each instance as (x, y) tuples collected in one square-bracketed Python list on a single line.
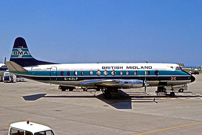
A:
[(192, 78)]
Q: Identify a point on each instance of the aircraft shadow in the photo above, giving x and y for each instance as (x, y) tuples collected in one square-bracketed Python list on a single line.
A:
[(117, 102), (33, 97), (121, 100)]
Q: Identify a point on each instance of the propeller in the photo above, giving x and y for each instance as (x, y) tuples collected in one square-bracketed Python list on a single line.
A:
[(145, 83)]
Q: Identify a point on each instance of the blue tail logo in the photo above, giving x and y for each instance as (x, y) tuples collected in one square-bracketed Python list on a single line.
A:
[(20, 53)]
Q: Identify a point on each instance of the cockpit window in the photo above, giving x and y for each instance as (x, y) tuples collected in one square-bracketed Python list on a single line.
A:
[(178, 68)]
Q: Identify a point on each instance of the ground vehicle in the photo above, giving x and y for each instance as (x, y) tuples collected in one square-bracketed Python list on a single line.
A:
[(8, 77), (29, 128), (195, 72)]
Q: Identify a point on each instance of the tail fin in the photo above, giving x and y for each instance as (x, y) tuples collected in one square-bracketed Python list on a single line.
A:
[(21, 55)]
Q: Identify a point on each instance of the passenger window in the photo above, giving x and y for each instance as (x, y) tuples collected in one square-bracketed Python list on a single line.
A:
[(62, 73), (68, 73), (156, 72), (91, 73), (98, 73), (82, 73), (121, 72), (105, 72), (127, 72), (135, 73), (113, 72), (75, 73)]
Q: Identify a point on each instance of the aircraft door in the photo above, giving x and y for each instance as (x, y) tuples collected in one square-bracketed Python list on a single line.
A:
[(53, 73)]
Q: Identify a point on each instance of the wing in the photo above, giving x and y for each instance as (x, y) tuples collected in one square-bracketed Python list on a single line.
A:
[(122, 83)]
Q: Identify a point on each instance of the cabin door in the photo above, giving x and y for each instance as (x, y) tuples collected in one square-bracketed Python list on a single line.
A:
[(53, 73)]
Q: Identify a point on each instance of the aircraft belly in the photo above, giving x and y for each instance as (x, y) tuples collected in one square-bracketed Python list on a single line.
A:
[(168, 82), (177, 82)]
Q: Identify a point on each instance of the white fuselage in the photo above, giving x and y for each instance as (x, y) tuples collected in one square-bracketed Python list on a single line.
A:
[(74, 74)]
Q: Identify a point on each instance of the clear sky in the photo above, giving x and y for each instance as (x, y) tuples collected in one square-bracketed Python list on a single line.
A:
[(74, 31)]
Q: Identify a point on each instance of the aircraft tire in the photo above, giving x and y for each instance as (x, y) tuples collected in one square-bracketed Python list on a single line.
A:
[(107, 95), (70, 89), (181, 90), (63, 89), (172, 94)]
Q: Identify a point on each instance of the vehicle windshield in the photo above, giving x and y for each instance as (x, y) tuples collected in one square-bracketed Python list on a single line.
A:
[(49, 132), (14, 131)]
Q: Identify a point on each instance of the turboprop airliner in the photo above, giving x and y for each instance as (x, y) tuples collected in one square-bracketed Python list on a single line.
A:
[(3, 69), (106, 76)]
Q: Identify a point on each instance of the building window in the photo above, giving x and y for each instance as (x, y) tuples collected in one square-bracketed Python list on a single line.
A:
[(148, 72), (127, 73), (135, 73)]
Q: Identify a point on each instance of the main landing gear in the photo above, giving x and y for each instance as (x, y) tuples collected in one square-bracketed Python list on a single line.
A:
[(161, 91), (109, 92), (64, 88)]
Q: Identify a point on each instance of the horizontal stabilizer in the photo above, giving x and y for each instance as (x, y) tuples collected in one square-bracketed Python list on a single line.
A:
[(13, 67)]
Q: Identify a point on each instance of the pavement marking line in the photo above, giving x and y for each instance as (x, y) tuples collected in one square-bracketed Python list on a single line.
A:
[(53, 87), (168, 128)]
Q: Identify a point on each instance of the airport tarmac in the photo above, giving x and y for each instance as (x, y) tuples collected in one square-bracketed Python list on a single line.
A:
[(88, 113)]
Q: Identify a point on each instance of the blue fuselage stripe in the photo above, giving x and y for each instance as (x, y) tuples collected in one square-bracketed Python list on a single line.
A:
[(87, 73)]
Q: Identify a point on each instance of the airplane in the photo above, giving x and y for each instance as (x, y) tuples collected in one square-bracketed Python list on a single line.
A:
[(3, 69), (109, 77)]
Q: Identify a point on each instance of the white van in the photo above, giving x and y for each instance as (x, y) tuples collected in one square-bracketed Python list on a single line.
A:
[(29, 128)]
